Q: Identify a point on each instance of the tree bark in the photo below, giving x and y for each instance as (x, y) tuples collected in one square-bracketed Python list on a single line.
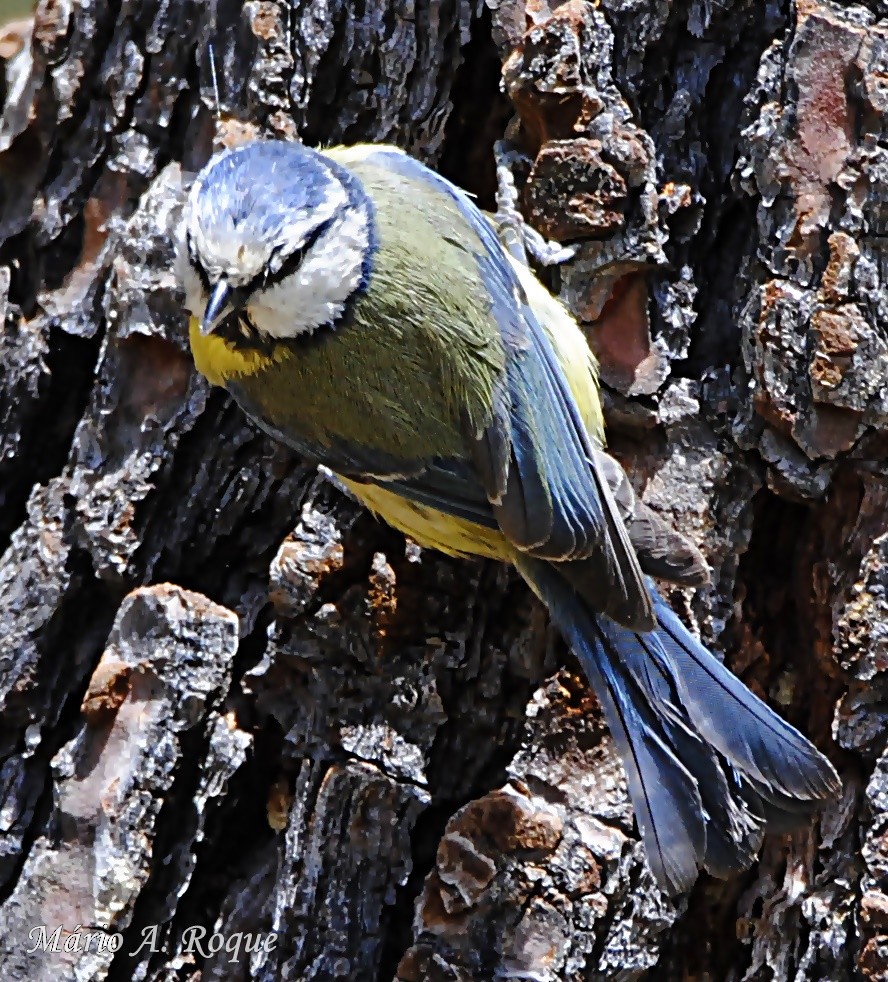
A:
[(231, 701)]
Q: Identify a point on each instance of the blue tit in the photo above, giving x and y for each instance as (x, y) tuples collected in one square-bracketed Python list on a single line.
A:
[(362, 310)]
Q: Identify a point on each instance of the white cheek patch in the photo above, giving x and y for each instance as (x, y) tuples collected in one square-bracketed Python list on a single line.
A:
[(316, 294), (189, 281), (195, 297)]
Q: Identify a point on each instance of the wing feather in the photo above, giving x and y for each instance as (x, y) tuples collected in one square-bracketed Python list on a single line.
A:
[(535, 459)]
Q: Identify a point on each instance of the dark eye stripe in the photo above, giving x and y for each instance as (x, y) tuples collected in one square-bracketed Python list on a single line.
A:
[(292, 263), (264, 279)]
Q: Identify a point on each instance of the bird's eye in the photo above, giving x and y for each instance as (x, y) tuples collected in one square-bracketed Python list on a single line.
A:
[(277, 261), (281, 264)]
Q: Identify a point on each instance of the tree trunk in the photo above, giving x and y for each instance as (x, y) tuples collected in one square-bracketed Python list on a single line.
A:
[(232, 702)]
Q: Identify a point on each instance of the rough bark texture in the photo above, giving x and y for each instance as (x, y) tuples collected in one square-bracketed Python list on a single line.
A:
[(231, 700)]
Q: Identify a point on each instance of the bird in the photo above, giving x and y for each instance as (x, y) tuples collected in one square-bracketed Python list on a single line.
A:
[(361, 309)]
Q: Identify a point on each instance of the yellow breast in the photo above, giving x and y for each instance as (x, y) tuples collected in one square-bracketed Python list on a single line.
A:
[(429, 528)]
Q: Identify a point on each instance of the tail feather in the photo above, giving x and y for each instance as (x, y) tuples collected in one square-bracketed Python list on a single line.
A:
[(781, 812), (734, 819), (709, 765), (749, 733), (735, 826), (732, 827), (666, 796)]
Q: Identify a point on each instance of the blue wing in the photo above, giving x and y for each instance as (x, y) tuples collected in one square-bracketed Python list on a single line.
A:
[(534, 465)]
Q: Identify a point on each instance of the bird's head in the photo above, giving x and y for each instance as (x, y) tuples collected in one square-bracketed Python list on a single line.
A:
[(275, 238)]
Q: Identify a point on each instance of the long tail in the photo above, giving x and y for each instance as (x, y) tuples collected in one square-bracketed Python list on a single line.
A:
[(710, 767)]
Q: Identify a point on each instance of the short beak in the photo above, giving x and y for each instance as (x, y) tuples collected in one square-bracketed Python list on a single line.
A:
[(217, 306)]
